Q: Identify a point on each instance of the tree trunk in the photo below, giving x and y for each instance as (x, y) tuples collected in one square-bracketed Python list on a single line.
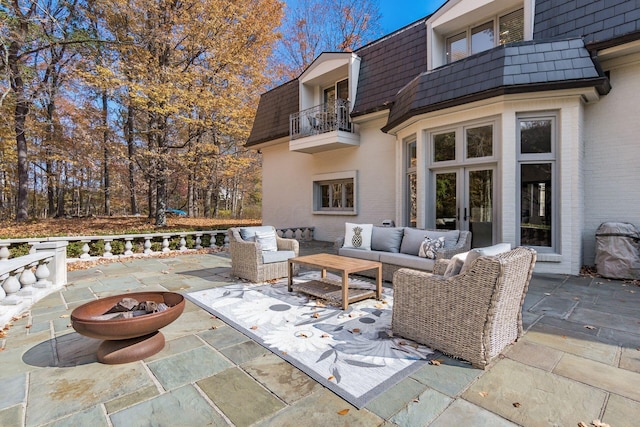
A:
[(131, 153), (105, 142)]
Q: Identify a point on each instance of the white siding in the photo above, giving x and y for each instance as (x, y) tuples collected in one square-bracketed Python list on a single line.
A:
[(612, 154), (288, 190)]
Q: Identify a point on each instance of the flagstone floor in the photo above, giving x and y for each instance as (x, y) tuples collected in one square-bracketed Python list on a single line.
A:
[(579, 361)]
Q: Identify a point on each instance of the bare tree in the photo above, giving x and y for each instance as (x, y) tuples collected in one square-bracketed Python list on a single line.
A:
[(315, 26)]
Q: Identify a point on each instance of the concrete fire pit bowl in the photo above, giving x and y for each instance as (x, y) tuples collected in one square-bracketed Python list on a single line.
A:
[(129, 339)]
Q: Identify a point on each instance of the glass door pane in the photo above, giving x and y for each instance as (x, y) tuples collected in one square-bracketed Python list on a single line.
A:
[(446, 200), (479, 211)]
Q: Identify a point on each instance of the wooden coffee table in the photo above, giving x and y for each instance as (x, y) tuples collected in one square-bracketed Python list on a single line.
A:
[(333, 290)]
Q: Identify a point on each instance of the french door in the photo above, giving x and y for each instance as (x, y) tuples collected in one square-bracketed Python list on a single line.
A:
[(464, 200)]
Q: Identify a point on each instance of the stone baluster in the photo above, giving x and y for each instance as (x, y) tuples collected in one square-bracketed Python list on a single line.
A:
[(27, 280), (32, 248), (3, 294), (198, 240), (43, 273), (4, 251), (212, 243), (11, 286), (183, 243), (128, 246), (107, 248), (147, 245), (56, 266), (85, 249), (165, 243)]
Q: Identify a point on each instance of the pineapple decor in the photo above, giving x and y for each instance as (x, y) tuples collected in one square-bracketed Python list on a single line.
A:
[(356, 241)]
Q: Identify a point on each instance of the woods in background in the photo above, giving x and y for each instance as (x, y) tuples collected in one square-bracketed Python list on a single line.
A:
[(132, 107)]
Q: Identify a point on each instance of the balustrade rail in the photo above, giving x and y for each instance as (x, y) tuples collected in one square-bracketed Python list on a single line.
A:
[(27, 278), (323, 118)]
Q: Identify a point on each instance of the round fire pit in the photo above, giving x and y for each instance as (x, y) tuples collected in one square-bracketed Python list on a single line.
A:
[(127, 339)]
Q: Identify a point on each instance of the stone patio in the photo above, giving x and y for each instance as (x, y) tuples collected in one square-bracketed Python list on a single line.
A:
[(578, 361)]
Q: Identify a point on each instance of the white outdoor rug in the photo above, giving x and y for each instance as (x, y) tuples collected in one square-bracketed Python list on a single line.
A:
[(350, 352)]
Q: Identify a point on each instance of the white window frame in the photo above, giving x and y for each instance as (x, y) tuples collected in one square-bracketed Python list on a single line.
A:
[(330, 178), (409, 171), (540, 158), (495, 20)]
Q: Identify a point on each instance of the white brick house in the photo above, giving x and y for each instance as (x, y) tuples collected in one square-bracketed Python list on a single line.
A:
[(516, 120)]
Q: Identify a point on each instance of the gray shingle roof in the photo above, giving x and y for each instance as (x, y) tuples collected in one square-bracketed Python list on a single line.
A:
[(389, 64), (515, 68), (386, 65), (601, 22), (272, 116)]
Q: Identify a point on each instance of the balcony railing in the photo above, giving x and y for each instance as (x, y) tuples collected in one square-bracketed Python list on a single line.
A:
[(323, 118)]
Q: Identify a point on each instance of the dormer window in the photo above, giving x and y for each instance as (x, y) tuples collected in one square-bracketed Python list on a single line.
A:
[(478, 38)]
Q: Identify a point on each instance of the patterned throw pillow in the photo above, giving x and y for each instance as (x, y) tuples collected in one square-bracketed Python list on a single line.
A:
[(430, 247), (358, 236)]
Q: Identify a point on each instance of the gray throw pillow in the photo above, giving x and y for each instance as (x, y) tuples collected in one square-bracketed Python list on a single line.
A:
[(411, 240), (386, 239)]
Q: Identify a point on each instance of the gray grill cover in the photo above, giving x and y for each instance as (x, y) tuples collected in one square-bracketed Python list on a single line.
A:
[(617, 253)]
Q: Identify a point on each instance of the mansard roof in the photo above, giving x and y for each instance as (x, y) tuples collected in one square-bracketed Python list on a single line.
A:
[(601, 23), (272, 116), (515, 68)]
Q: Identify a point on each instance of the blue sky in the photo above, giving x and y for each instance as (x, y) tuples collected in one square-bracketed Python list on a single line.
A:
[(398, 13)]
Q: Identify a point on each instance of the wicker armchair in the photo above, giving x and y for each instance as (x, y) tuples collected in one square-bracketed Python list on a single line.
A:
[(471, 316), (248, 260)]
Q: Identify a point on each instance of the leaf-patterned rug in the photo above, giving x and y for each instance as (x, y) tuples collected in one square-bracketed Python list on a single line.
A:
[(352, 352)]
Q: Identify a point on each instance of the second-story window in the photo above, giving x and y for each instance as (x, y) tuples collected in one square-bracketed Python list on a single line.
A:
[(478, 38)]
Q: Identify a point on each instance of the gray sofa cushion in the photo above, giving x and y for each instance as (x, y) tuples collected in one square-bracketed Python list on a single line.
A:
[(359, 253), (408, 261), (411, 240), (386, 239), (276, 256)]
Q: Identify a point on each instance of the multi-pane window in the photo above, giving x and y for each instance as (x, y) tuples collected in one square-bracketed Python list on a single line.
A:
[(536, 140), (335, 195), (478, 38), (411, 165)]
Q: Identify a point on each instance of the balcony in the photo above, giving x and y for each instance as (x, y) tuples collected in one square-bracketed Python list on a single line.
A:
[(322, 127)]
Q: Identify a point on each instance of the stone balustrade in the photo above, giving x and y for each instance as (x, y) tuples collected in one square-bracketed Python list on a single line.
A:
[(28, 278)]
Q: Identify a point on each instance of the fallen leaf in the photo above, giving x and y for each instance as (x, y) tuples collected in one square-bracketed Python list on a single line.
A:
[(483, 393), (581, 424), (254, 327), (434, 362), (598, 423), (64, 316), (315, 315), (320, 304), (379, 305), (355, 330), (324, 336), (214, 317), (28, 326), (516, 404), (589, 327), (214, 327), (416, 400), (343, 412), (331, 378)]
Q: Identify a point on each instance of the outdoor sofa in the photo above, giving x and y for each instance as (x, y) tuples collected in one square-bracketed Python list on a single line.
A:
[(399, 247)]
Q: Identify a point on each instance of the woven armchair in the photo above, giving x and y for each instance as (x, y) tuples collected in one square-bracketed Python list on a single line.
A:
[(247, 258), (472, 316)]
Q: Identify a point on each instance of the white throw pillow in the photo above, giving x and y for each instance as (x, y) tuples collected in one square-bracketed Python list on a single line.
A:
[(455, 265), (357, 236), (267, 241), (487, 251), (429, 248)]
